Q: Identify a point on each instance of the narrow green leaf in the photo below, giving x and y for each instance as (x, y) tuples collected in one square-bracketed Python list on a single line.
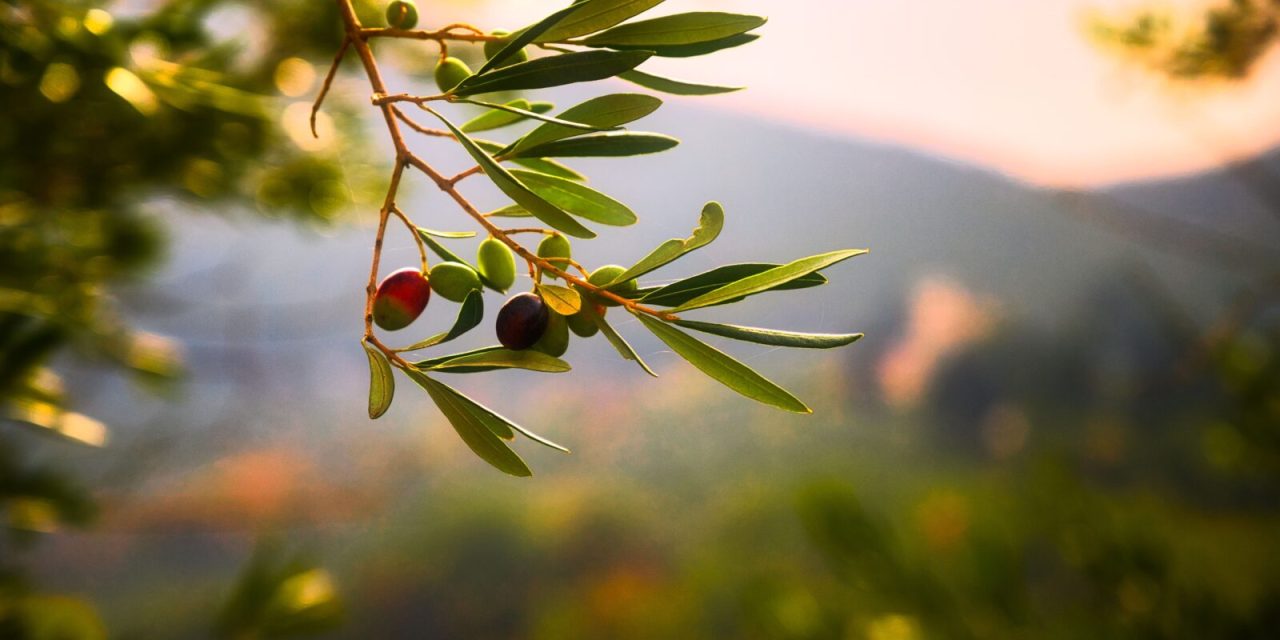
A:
[(554, 71), (769, 279), (452, 235), (604, 111), (509, 211), (674, 87), (594, 15), (577, 198), (526, 113), (709, 225), (518, 40), (681, 291), (550, 214), (482, 360), (723, 368), (475, 427), (678, 29), (449, 256), (619, 343), (620, 143), (691, 50), (470, 314), (496, 118), (562, 300), (382, 384), (551, 168), (773, 337)]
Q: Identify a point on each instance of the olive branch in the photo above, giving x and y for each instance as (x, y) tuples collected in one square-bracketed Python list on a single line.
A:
[(586, 41)]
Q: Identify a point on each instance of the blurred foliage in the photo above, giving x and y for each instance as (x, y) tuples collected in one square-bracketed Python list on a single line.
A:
[(1228, 39), (115, 126), (280, 596)]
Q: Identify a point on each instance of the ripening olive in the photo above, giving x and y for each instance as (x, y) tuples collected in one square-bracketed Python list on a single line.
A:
[(400, 299), (582, 322), (497, 263), (555, 246), (402, 14), (606, 274), (450, 72), (492, 47), (555, 339), (454, 280), (522, 321)]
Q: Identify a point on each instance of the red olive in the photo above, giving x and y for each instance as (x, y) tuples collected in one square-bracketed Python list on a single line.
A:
[(400, 299)]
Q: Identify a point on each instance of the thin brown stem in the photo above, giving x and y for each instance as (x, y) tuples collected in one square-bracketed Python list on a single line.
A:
[(328, 82), (465, 174), (357, 37), (413, 231), (382, 100), (419, 34), (416, 126)]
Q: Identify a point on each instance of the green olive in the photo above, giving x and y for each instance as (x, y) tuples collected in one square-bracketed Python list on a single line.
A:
[(582, 322), (555, 246), (497, 263), (555, 340), (402, 14), (492, 47), (450, 72), (453, 280), (606, 274)]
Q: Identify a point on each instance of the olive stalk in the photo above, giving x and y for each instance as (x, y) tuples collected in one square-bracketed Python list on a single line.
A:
[(357, 38)]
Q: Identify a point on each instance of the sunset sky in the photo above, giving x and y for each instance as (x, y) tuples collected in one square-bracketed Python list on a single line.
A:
[(1011, 84)]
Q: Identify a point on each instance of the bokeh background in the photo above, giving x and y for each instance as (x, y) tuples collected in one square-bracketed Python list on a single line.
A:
[(1064, 420)]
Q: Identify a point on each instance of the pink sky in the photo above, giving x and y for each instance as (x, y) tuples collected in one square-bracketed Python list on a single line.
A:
[(1011, 84)]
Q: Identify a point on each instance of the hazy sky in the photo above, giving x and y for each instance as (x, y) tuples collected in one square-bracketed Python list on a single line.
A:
[(1012, 84)]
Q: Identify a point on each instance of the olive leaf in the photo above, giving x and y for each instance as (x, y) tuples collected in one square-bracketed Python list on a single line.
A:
[(562, 300), (541, 165), (576, 198), (382, 384), (679, 29), (540, 73), (497, 118), (770, 279), (526, 113), (709, 225), (477, 426), (605, 111), (773, 337), (452, 235), (694, 49), (674, 87), (682, 291), (550, 214), (470, 314), (620, 143), (518, 40), (491, 358), (551, 168), (619, 343), (594, 15), (723, 368)]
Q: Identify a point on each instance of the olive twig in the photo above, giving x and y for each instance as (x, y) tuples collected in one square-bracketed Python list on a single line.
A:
[(328, 82), (357, 37), (413, 231)]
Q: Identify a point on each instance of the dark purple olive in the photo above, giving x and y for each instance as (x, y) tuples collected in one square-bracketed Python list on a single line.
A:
[(522, 321)]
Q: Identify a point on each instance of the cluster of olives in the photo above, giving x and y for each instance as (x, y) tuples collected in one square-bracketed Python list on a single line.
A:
[(525, 321)]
